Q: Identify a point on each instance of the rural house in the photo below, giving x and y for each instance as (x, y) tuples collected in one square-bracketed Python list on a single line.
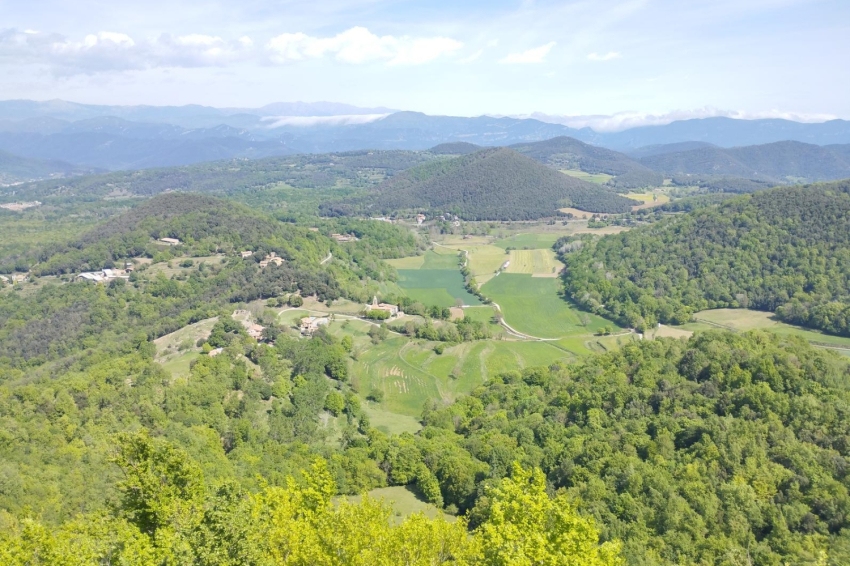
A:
[(311, 324), (376, 306)]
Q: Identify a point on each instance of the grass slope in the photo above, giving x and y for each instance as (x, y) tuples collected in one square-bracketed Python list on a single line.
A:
[(531, 305)]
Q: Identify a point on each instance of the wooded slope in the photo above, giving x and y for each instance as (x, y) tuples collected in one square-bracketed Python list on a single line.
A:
[(785, 250), (492, 184)]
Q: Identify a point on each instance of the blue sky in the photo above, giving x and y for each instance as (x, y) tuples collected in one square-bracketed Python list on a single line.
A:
[(636, 59)]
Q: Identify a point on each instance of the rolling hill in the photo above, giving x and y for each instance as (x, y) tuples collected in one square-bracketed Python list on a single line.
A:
[(360, 168), (661, 149), (785, 250), (15, 169), (454, 148), (780, 162), (569, 153), (492, 184)]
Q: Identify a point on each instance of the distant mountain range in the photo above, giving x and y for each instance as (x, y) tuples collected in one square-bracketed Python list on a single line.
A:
[(14, 169), (134, 137), (780, 162)]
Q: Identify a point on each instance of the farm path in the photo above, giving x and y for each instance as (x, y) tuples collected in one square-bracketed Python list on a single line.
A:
[(512, 331)]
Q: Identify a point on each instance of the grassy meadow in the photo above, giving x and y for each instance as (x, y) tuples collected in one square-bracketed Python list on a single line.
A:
[(598, 178), (741, 320), (538, 262), (531, 305)]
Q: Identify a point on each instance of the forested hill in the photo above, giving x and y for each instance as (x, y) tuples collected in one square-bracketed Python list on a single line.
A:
[(492, 184), (354, 169), (785, 250), (568, 153), (779, 162), (455, 148)]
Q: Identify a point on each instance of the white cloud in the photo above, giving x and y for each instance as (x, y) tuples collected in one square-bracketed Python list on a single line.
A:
[(536, 55), (607, 57), (472, 57), (109, 51), (358, 45), (625, 120), (305, 121)]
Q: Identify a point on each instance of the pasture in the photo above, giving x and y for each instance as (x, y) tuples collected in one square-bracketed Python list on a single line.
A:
[(597, 178), (741, 320), (538, 262), (441, 287), (530, 240), (531, 305)]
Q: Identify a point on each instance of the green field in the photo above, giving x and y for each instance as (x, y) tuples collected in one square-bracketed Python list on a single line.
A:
[(539, 262), (531, 305), (742, 320), (598, 178), (435, 286), (529, 241), (409, 373), (404, 503), (412, 262)]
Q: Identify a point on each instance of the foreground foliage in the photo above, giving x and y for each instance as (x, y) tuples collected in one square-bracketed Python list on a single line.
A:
[(168, 514)]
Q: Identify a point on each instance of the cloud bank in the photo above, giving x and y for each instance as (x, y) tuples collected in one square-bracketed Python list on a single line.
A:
[(358, 45), (115, 51), (306, 121), (625, 120)]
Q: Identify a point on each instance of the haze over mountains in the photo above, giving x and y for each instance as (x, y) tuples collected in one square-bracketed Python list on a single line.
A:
[(129, 137)]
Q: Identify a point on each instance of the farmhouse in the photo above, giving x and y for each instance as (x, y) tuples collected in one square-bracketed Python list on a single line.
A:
[(420, 218), (170, 241), (271, 258), (344, 237), (216, 351), (376, 306), (102, 276), (246, 254), (311, 324), (255, 331)]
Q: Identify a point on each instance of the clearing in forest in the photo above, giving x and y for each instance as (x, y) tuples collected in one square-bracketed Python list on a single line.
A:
[(598, 178)]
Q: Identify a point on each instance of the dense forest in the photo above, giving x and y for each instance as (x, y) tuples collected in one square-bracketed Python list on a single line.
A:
[(785, 250), (492, 184), (568, 153), (725, 449)]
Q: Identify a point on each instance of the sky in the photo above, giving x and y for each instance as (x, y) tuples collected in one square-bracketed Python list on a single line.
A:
[(595, 62)]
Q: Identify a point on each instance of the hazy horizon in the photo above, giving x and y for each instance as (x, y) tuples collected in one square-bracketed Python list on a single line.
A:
[(632, 62)]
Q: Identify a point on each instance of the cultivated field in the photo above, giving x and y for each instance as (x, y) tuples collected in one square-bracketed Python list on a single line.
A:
[(409, 373), (649, 199), (537, 262), (530, 240), (441, 287), (531, 305)]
